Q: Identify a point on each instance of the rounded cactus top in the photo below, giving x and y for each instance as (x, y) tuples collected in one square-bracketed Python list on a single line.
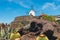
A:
[(42, 37)]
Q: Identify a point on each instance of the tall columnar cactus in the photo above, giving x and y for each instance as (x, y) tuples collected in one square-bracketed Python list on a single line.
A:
[(8, 32), (2, 33), (5, 34)]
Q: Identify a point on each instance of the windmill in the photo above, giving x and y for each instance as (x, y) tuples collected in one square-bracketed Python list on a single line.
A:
[(32, 11)]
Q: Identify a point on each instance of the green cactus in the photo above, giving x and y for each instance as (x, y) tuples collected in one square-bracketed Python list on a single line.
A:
[(27, 26), (42, 38), (2, 33), (13, 36), (5, 34)]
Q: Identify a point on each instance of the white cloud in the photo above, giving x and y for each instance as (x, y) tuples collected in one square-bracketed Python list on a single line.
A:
[(51, 7), (46, 5), (24, 5), (10, 0), (58, 7), (57, 0)]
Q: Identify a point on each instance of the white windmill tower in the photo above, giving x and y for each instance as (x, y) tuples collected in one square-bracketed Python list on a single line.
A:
[(32, 12)]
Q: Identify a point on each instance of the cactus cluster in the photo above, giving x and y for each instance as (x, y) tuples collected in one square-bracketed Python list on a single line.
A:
[(2, 33), (6, 34), (13, 36)]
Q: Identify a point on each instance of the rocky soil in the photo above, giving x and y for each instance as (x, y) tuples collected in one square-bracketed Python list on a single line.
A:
[(38, 26)]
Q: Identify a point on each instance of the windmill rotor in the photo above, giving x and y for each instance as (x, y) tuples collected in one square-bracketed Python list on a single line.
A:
[(37, 10), (32, 11)]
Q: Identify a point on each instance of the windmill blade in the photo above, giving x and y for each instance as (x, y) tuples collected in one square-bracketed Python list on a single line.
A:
[(37, 10), (27, 13)]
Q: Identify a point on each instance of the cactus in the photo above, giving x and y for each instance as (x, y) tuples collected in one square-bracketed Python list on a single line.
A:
[(13, 36), (27, 26), (4, 34), (39, 38), (42, 38)]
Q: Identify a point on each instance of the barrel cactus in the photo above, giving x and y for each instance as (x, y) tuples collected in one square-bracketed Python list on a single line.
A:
[(42, 37), (17, 39), (13, 36)]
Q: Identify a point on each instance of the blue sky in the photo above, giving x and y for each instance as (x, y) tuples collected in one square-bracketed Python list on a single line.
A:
[(9, 9)]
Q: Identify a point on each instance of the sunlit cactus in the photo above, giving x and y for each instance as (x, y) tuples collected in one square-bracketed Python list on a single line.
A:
[(27, 26), (5, 34), (42, 37), (17, 39), (2, 33), (13, 36)]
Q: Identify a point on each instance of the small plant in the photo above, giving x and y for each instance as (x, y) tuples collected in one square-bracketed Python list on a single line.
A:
[(49, 18)]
